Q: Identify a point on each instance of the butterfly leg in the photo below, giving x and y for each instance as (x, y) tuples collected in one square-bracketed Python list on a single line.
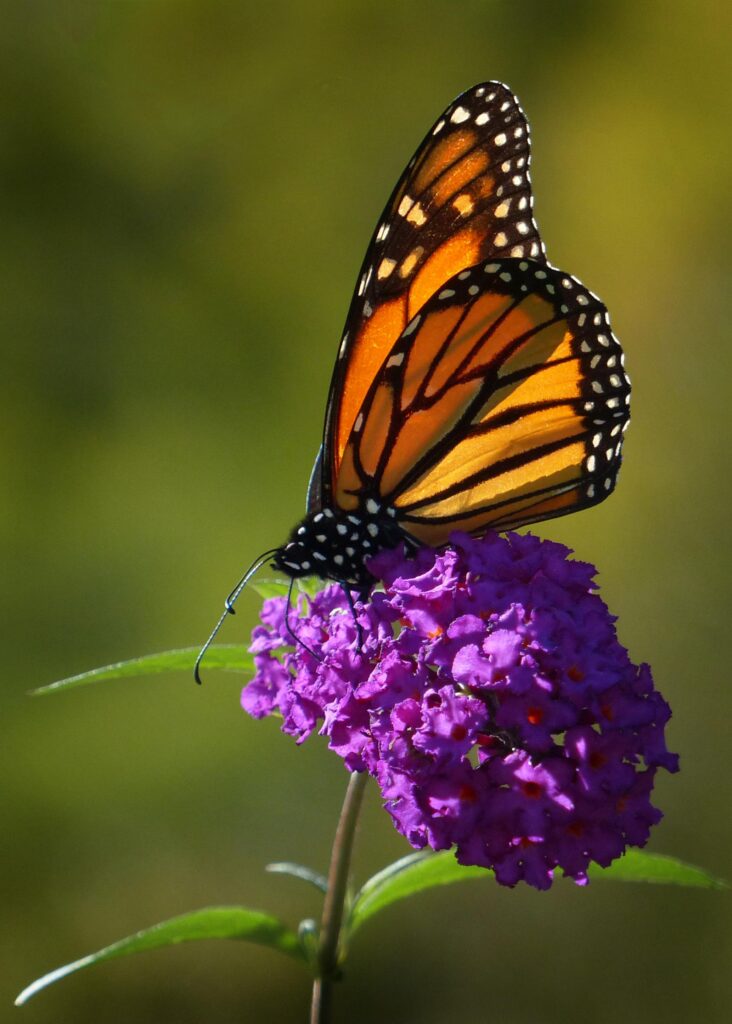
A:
[(349, 597), (289, 628)]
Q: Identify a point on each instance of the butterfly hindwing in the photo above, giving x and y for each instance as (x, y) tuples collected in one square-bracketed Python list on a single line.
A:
[(502, 402), (464, 197)]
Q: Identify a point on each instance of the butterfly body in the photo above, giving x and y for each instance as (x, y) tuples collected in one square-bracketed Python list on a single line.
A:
[(336, 545), (477, 386)]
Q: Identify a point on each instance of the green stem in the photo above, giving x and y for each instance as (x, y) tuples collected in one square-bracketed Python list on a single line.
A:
[(335, 897)]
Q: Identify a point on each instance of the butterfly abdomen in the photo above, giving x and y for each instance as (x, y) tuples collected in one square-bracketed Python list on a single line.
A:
[(334, 544)]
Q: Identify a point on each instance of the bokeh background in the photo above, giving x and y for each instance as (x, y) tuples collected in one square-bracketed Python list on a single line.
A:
[(188, 189)]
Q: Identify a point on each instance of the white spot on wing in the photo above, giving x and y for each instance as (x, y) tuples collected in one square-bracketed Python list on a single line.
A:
[(416, 215), (459, 115), (385, 268)]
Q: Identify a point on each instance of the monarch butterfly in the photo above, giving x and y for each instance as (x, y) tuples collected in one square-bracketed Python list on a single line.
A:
[(476, 385)]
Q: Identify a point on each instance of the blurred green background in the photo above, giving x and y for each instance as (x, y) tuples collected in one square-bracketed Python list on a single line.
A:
[(188, 189)]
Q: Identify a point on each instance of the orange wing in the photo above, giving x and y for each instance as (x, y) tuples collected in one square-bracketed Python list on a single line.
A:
[(464, 197), (503, 402)]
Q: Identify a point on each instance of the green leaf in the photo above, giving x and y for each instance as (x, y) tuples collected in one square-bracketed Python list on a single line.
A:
[(299, 871), (267, 588), (406, 877), (210, 923), (309, 585), (230, 657), (308, 933), (420, 871), (656, 869)]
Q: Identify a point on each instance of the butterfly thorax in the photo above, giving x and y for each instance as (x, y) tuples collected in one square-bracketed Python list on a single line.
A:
[(335, 544)]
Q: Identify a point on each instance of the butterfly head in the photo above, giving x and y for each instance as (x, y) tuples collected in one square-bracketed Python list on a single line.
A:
[(336, 544)]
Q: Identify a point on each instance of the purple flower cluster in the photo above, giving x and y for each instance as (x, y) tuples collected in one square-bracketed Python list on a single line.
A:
[(484, 688)]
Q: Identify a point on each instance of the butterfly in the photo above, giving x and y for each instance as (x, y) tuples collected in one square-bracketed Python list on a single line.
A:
[(476, 386)]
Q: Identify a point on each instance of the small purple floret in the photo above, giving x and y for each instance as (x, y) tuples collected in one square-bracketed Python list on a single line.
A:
[(486, 691)]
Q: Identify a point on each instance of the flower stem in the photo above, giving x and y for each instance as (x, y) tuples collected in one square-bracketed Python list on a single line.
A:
[(332, 919)]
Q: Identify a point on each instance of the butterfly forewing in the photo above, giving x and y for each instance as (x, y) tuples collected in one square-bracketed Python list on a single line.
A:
[(503, 402), (464, 197)]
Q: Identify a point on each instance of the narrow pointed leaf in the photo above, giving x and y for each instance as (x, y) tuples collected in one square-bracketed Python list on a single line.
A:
[(406, 877), (420, 871), (299, 871), (229, 657), (310, 585), (656, 869), (210, 923), (267, 588)]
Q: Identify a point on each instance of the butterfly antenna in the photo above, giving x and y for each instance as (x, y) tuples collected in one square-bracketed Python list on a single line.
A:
[(229, 608)]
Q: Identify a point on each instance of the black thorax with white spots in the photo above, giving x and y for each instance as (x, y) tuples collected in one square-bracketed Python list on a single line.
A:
[(334, 544)]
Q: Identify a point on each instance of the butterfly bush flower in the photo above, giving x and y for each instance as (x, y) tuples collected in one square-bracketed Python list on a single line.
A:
[(485, 690)]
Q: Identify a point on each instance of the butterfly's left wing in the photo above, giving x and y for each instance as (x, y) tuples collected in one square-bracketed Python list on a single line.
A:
[(503, 402), (465, 196)]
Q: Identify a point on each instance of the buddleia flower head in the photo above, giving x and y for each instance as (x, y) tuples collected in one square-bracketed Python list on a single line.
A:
[(484, 688)]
